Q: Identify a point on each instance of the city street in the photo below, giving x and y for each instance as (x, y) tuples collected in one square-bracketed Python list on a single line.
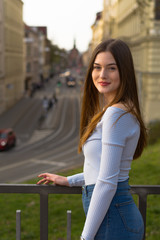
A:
[(48, 145)]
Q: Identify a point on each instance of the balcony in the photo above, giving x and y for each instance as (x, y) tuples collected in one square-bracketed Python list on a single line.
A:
[(43, 190)]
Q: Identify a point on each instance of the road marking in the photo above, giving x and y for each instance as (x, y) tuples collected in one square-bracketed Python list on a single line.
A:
[(32, 160), (60, 153), (13, 165), (59, 164)]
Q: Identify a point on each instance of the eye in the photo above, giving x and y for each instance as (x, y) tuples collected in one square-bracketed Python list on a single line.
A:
[(96, 67), (111, 69)]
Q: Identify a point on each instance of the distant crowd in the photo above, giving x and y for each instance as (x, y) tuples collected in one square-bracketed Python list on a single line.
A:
[(48, 103)]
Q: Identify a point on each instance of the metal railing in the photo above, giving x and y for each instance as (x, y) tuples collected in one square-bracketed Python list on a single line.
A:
[(44, 190)]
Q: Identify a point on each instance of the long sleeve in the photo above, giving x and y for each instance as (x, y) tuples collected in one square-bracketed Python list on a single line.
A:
[(76, 180), (114, 137)]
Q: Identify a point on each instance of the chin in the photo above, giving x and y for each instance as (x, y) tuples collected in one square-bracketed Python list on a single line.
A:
[(103, 92)]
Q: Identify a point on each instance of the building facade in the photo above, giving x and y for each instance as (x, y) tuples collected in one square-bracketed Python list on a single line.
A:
[(2, 95), (11, 53), (75, 61), (37, 57), (97, 37), (44, 52), (31, 42), (97, 30), (138, 23)]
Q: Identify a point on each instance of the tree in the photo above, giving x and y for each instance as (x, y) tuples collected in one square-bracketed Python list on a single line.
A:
[(58, 57)]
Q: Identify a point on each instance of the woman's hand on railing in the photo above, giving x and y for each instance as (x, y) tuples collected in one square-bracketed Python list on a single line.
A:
[(53, 178)]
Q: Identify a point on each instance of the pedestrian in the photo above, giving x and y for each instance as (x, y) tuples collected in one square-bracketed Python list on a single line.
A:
[(112, 134), (50, 103), (45, 104), (54, 98)]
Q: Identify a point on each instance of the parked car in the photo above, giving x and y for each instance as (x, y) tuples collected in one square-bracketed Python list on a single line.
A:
[(7, 139), (70, 81)]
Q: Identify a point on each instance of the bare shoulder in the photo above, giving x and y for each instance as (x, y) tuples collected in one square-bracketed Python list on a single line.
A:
[(121, 106)]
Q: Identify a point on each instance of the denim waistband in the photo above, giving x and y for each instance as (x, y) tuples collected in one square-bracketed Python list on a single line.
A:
[(121, 186)]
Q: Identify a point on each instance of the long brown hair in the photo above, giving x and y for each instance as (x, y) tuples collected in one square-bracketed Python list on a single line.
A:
[(91, 111)]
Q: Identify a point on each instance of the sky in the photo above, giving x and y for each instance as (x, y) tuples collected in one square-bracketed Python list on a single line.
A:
[(66, 20)]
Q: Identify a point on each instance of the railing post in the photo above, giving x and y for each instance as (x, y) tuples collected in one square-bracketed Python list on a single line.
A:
[(18, 225), (142, 191), (142, 205), (69, 225), (43, 216)]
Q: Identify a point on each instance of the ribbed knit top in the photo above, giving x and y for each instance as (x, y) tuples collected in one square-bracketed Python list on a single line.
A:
[(108, 155)]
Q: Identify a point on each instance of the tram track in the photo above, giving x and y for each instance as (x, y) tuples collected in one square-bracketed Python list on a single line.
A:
[(55, 152)]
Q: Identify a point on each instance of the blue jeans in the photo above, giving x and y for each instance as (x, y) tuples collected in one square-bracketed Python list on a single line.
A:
[(123, 220)]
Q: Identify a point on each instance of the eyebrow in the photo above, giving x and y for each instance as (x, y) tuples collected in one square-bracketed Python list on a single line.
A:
[(106, 65)]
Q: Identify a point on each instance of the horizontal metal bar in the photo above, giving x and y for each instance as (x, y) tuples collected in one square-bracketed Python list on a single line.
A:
[(40, 189), (47, 189), (141, 190), (145, 189)]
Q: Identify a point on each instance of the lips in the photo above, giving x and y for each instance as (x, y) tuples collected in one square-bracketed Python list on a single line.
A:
[(104, 83)]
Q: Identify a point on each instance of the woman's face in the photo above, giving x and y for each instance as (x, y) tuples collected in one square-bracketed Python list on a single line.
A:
[(105, 75)]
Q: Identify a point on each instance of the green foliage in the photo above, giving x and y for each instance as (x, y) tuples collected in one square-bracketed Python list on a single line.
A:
[(29, 206), (154, 132), (58, 56), (145, 171)]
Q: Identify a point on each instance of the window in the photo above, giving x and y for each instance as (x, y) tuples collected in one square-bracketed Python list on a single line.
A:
[(28, 67), (157, 10)]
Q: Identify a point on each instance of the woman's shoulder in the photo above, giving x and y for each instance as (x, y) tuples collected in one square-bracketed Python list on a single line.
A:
[(119, 113), (120, 106), (116, 111)]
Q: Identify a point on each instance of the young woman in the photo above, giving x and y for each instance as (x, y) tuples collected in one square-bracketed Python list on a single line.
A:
[(112, 134)]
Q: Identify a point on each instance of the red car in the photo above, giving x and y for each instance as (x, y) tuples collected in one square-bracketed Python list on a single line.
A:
[(7, 139)]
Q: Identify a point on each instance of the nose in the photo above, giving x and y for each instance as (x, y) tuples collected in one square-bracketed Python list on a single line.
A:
[(103, 73)]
